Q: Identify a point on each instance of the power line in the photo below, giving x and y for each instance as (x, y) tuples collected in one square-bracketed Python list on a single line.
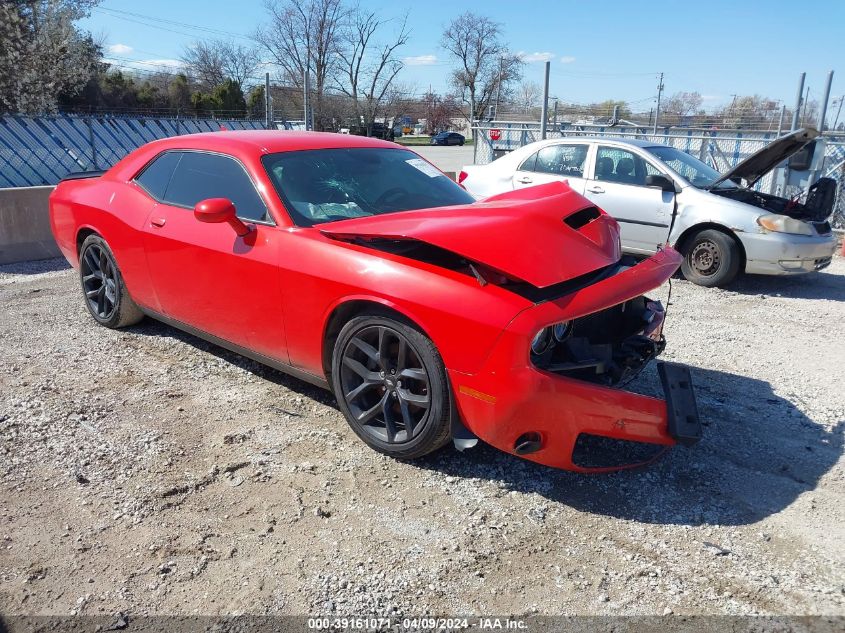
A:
[(140, 18)]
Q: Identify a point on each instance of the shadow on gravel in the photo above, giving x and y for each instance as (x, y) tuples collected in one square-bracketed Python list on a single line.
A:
[(151, 327), (35, 267), (819, 285), (759, 453)]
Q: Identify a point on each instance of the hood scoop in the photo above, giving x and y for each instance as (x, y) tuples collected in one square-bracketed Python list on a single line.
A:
[(524, 234)]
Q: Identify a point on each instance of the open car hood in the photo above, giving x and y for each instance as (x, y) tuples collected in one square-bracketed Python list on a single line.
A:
[(540, 235), (763, 161)]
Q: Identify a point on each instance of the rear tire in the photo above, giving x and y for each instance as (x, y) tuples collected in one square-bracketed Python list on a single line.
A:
[(391, 385), (103, 288), (711, 258)]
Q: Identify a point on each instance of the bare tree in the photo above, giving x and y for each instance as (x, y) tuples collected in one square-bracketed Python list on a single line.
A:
[(304, 35), (215, 61), (439, 112), (679, 106), (485, 67), (528, 95), (366, 75)]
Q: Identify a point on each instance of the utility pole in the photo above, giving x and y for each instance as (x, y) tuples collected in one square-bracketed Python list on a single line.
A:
[(780, 122), (797, 111), (499, 88), (836, 120), (555, 116), (305, 91), (825, 99), (545, 113), (657, 109), (268, 114), (806, 101)]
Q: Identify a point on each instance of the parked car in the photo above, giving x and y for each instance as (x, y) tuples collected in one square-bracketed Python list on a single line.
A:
[(448, 138), (661, 194), (354, 264)]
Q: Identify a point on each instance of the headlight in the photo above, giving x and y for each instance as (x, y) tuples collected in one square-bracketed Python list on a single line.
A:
[(784, 224), (542, 341), (562, 330)]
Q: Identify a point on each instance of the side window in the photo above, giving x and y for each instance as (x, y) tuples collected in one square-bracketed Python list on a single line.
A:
[(619, 165), (563, 160), (199, 176), (528, 163), (156, 176)]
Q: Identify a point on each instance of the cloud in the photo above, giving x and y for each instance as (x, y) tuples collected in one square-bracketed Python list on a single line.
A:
[(710, 97), (420, 60), (567, 59), (119, 49), (535, 57)]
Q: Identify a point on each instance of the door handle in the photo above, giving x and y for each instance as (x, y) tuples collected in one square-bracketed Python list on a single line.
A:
[(525, 180), (159, 222), (595, 189)]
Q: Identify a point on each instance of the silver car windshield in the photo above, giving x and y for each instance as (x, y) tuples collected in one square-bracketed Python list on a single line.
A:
[(698, 174)]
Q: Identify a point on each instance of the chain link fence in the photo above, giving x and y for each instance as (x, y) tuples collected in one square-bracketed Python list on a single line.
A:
[(722, 149), (43, 150)]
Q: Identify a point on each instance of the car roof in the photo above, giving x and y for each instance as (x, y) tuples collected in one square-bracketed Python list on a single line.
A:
[(269, 141), (636, 142)]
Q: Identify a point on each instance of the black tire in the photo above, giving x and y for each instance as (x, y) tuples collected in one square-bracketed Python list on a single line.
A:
[(401, 427), (103, 288), (711, 258)]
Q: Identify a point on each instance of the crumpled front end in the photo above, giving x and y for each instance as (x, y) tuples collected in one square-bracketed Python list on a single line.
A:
[(550, 390)]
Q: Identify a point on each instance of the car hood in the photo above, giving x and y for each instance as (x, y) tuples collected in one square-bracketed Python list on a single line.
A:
[(541, 235), (763, 161)]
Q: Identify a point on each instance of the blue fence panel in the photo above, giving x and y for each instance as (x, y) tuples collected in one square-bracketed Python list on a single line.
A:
[(43, 150)]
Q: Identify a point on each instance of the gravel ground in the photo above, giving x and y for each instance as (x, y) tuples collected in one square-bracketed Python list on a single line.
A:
[(145, 471)]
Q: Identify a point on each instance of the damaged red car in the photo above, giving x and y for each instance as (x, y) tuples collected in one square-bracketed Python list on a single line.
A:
[(356, 265)]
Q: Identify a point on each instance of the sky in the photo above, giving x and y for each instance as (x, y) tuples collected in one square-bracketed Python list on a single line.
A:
[(598, 51)]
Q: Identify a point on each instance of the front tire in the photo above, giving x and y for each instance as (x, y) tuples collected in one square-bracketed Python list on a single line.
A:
[(103, 288), (391, 385), (711, 258)]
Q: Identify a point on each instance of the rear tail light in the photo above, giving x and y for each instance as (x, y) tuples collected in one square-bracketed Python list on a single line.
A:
[(462, 176)]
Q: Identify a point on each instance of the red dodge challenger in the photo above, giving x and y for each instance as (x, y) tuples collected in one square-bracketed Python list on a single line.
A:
[(356, 265)]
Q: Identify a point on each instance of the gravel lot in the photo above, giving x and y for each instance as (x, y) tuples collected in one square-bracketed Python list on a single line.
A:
[(145, 471)]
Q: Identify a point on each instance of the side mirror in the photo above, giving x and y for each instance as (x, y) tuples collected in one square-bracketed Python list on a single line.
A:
[(217, 210), (659, 180)]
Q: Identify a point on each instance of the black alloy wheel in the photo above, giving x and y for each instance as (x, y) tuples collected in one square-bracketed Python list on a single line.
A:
[(391, 385), (98, 281), (106, 296)]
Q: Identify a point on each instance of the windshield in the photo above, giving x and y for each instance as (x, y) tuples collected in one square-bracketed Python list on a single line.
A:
[(699, 174), (325, 185)]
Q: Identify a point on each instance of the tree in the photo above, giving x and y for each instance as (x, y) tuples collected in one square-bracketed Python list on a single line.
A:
[(439, 112), (485, 67), (215, 61), (366, 74), (43, 54), (681, 105), (226, 100), (528, 95), (305, 35), (179, 93), (752, 111), (255, 102), (606, 108)]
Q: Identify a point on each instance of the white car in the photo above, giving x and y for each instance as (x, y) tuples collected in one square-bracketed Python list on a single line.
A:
[(660, 194)]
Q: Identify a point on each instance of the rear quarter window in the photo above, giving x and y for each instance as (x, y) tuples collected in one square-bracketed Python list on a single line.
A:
[(156, 176)]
